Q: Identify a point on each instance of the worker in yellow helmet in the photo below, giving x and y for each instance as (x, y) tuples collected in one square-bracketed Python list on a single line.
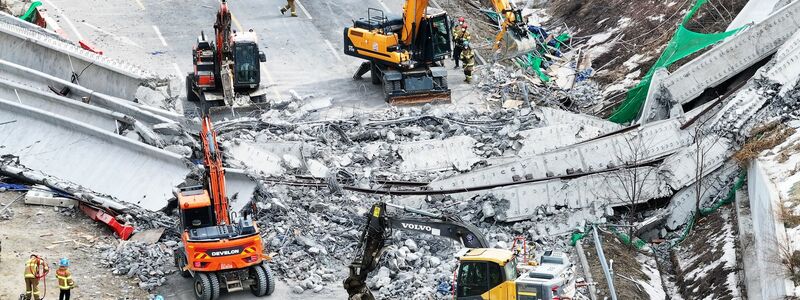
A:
[(35, 269), (65, 282)]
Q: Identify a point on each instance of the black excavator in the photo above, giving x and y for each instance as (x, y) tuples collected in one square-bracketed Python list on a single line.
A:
[(379, 228)]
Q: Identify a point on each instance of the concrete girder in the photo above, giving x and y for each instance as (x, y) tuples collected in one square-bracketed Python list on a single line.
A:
[(41, 81), (38, 49), (730, 57), (99, 160)]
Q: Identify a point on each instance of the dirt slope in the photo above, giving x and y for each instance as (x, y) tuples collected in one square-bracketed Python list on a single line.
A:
[(33, 229)]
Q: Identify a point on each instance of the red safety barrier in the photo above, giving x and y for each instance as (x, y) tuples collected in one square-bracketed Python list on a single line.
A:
[(123, 231), (89, 47)]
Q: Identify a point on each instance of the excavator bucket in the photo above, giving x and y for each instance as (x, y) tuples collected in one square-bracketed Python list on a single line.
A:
[(513, 45), (220, 113)]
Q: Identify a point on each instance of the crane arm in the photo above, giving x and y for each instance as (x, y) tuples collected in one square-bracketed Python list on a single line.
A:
[(377, 230), (215, 172), (413, 12)]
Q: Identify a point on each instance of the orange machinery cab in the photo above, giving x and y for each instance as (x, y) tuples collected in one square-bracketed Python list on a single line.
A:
[(211, 247)]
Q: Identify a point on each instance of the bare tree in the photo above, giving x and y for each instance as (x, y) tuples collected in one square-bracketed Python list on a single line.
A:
[(633, 182), (789, 259), (703, 141)]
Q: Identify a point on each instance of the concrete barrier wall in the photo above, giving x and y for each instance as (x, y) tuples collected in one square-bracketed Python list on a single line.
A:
[(37, 49), (101, 161), (768, 232)]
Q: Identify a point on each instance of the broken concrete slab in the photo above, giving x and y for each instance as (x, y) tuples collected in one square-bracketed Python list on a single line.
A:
[(42, 196), (99, 160), (265, 158), (240, 187), (436, 155), (150, 236), (551, 116), (540, 140), (787, 63)]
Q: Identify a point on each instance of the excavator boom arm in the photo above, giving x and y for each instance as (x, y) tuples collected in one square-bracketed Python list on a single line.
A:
[(379, 224), (212, 157), (413, 12)]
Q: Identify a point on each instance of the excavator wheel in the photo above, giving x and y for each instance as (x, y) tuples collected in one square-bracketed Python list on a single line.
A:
[(215, 283), (259, 286), (203, 290), (270, 279), (180, 263)]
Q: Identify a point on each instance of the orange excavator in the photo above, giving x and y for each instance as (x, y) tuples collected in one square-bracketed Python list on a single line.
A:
[(220, 250)]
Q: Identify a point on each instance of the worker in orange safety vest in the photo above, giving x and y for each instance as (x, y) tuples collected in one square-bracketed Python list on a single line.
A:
[(35, 269), (65, 282)]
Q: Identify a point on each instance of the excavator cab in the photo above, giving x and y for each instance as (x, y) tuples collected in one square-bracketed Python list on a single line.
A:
[(246, 57), (195, 206), (486, 274), (433, 39)]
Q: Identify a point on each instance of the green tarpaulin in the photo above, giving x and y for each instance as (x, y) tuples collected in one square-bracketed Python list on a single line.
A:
[(28, 16), (683, 43)]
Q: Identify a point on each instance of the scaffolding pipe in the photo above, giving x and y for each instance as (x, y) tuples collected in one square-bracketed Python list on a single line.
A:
[(606, 270)]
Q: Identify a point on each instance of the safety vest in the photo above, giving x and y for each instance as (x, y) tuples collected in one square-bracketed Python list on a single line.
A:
[(30, 268), (64, 279), (457, 33), (468, 58)]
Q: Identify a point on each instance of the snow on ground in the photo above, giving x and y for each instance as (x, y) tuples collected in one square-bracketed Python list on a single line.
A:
[(653, 285), (707, 264)]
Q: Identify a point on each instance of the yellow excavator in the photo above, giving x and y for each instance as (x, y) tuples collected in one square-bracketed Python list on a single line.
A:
[(513, 38), (483, 273), (405, 53)]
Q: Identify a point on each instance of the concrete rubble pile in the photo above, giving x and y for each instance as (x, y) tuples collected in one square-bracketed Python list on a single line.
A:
[(510, 87), (376, 148), (149, 263)]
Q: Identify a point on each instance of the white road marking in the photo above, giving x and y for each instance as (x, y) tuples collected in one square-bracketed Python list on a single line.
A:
[(178, 69), (160, 37), (64, 16), (139, 2), (114, 36), (335, 53), (303, 8), (385, 8)]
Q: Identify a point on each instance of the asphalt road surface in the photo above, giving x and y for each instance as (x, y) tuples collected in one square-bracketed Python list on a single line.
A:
[(304, 54)]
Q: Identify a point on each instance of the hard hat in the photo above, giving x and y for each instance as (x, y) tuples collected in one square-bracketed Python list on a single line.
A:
[(158, 297), (64, 262), (461, 19), (466, 44), (464, 25)]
